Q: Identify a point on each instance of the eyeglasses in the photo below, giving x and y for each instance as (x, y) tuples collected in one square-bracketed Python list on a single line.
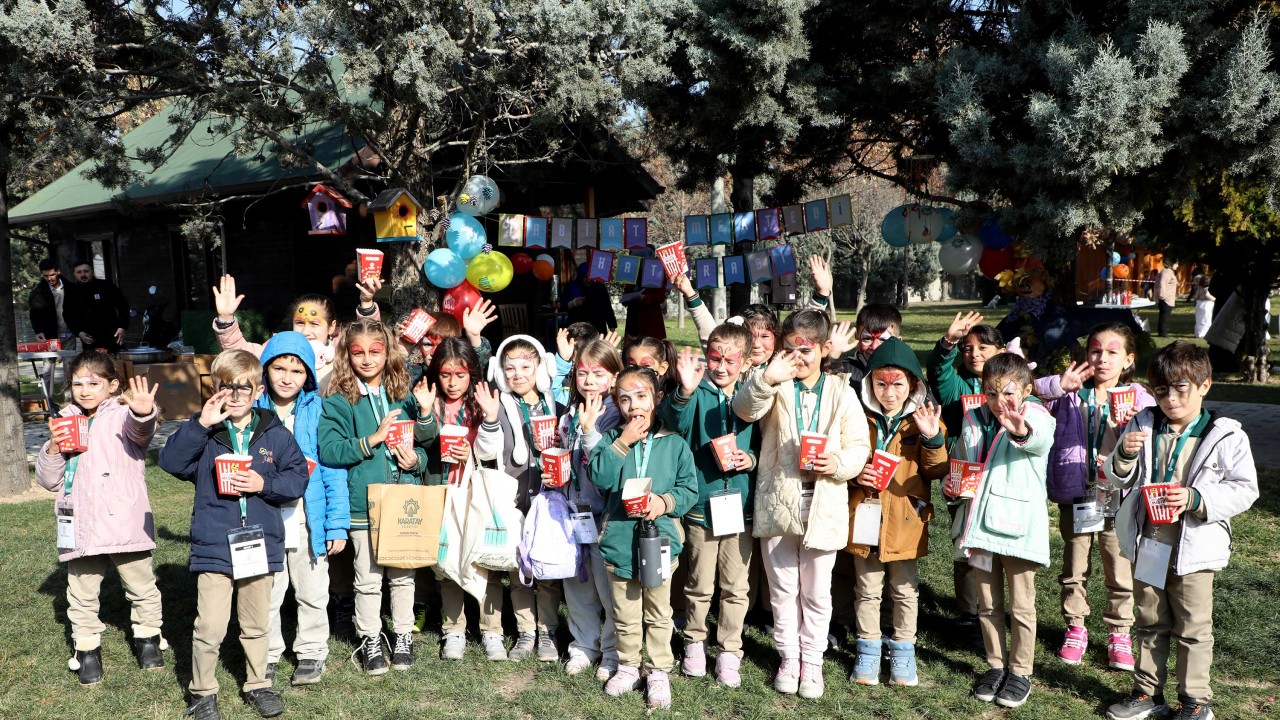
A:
[(239, 391)]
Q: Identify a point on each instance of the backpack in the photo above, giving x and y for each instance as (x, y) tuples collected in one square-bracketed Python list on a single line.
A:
[(547, 549)]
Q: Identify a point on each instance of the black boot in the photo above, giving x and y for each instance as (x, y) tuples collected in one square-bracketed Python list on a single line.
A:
[(147, 650), (89, 666)]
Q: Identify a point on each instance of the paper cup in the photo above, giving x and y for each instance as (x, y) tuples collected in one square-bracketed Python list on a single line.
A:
[(419, 324), (227, 464), (673, 259), (971, 401), (964, 478), (1120, 403), (544, 431), (724, 446), (635, 495), (885, 465), (400, 433), (311, 466), (451, 436), (557, 463), (370, 263), (811, 446), (1158, 510), (78, 439)]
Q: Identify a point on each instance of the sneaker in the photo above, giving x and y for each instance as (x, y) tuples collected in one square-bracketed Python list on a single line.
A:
[(419, 617), (1120, 651), (88, 666), (1074, 645), (988, 685), (266, 701), (455, 647), (402, 653), (608, 666), (147, 650), (523, 647), (372, 660), (811, 683), (694, 663), (1014, 691), (1137, 706), (547, 650), (578, 663), (1194, 710), (344, 616), (493, 647), (657, 690), (787, 681), (902, 664), (728, 669), (866, 665), (271, 673), (626, 679), (308, 672), (203, 707)]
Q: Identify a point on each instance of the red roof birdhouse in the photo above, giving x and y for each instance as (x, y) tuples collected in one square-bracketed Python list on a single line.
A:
[(326, 208)]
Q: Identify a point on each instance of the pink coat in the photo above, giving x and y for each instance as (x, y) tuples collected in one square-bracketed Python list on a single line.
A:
[(109, 493)]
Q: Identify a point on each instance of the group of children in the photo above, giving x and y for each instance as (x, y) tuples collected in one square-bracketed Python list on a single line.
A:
[(763, 470)]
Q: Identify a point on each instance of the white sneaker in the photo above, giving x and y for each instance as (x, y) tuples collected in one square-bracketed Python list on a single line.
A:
[(455, 646), (577, 663), (811, 683), (608, 666), (787, 681), (493, 647)]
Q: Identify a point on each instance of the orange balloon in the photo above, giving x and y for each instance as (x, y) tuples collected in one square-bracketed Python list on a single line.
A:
[(543, 270), (1120, 271)]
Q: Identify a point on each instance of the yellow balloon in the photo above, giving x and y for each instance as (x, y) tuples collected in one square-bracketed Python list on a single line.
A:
[(490, 272)]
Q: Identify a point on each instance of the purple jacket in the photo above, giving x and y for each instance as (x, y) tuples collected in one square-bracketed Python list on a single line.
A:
[(109, 493), (1068, 478)]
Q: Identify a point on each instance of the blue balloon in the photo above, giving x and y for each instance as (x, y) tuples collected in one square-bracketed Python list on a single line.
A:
[(465, 236), (992, 235), (894, 227), (949, 229), (444, 268), (1115, 258)]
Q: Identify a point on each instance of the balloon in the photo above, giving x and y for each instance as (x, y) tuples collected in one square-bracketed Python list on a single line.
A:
[(444, 268), (1115, 258), (479, 196), (894, 227), (543, 270), (924, 224), (949, 229), (465, 236), (1120, 271), (995, 261), (490, 272), (544, 257), (521, 263), (992, 235), (458, 299), (960, 254)]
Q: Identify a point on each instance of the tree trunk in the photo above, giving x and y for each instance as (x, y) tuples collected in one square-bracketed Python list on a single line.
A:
[(718, 205), (13, 453), (742, 199), (1255, 363)]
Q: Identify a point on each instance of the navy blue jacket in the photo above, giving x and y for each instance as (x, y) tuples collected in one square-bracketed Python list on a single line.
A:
[(189, 454)]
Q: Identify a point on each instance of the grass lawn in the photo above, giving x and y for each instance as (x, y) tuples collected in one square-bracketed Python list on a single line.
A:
[(34, 646)]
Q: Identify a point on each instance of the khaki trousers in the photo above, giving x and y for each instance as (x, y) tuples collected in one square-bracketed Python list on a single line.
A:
[(904, 593), (84, 587), (368, 584), (1077, 566), (731, 557), (213, 614), (1021, 578), (640, 611), (536, 608), (453, 603), (1183, 610), (963, 579), (309, 577)]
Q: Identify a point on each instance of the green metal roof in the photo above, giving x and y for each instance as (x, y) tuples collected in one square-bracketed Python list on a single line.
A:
[(203, 164)]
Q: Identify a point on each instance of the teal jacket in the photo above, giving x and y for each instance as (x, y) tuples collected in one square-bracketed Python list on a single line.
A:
[(950, 379), (699, 420), (674, 480)]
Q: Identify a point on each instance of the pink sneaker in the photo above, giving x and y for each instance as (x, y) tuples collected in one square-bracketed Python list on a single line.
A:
[(1074, 645), (657, 690), (694, 663), (623, 681), (728, 671), (787, 681), (1120, 651)]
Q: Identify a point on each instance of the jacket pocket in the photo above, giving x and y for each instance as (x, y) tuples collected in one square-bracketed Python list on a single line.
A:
[(1007, 511)]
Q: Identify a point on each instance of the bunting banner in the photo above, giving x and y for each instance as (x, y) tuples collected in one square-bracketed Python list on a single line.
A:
[(535, 232)]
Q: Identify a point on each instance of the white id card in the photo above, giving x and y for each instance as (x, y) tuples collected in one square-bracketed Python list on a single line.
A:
[(665, 567), (1152, 566), (1087, 517), (248, 552), (980, 560), (66, 520), (584, 526), (725, 509), (291, 514), (806, 499), (866, 523)]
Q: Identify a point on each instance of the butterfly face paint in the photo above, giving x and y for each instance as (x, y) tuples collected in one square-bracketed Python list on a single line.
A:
[(368, 358), (520, 370), (455, 380), (1109, 357), (724, 363), (89, 390), (1003, 390), (868, 342), (809, 354), (310, 320)]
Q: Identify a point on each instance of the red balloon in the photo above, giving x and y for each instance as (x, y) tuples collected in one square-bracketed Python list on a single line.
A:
[(994, 262), (458, 299), (521, 263), (543, 270)]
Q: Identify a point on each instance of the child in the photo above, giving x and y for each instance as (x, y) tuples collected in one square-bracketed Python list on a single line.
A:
[(474, 321), (701, 412), (903, 423), (522, 371), (249, 523), (802, 516), (1004, 531), (568, 339), (763, 324), (1086, 434), (370, 390), (641, 448), (875, 324), (1209, 459), (657, 355), (316, 525), (590, 414), (103, 512)]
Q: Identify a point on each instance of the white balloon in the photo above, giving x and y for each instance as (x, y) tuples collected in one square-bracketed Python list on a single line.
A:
[(960, 255), (479, 196)]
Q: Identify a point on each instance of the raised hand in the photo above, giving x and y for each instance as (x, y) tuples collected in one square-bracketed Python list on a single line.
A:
[(425, 393), (368, 288), (928, 419), (684, 285), (589, 411), (225, 299), (961, 324), (783, 367), (690, 371), (215, 410), (140, 400), (379, 436), (1073, 378), (476, 317), (612, 338), (1012, 418), (822, 280), (634, 431), (487, 399), (843, 339), (564, 345)]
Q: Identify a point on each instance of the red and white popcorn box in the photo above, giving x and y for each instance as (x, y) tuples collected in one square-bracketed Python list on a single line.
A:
[(419, 324), (228, 464), (544, 431), (972, 401), (635, 495), (400, 433), (451, 436), (812, 445), (78, 438), (964, 478), (311, 466), (369, 263), (1157, 500), (884, 465), (673, 259), (557, 463), (724, 447), (1120, 402)]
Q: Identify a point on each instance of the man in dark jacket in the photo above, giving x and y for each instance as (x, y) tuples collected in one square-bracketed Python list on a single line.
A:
[(46, 303), (99, 314)]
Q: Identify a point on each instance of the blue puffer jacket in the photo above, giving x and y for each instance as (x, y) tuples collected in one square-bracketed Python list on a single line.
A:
[(326, 502)]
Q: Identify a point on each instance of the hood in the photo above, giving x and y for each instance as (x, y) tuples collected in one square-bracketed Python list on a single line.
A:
[(896, 353), (546, 365), (290, 342)]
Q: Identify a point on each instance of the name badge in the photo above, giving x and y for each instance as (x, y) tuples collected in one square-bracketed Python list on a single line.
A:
[(248, 552), (291, 517), (725, 510), (1087, 517), (66, 523), (1152, 566), (866, 523), (806, 499), (584, 526)]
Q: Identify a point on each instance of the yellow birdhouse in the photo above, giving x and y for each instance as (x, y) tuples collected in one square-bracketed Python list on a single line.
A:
[(395, 215)]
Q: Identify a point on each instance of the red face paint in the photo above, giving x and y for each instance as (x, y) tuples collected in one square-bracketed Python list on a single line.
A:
[(889, 375)]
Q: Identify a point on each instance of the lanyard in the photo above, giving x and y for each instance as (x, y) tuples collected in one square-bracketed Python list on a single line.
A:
[(1095, 437), (728, 421), (642, 460), (817, 405), (1172, 467), (69, 472), (377, 401), (887, 431), (528, 425), (240, 444)]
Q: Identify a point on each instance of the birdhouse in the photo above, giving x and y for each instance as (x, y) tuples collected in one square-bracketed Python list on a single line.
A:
[(395, 215), (326, 209)]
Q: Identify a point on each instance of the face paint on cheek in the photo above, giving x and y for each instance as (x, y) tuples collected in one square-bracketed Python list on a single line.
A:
[(638, 404)]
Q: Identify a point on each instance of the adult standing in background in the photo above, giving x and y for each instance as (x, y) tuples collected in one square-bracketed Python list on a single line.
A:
[(99, 314), (1204, 304), (45, 305), (1167, 295)]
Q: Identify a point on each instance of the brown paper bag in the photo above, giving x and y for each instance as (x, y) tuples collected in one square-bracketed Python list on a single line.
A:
[(404, 524)]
